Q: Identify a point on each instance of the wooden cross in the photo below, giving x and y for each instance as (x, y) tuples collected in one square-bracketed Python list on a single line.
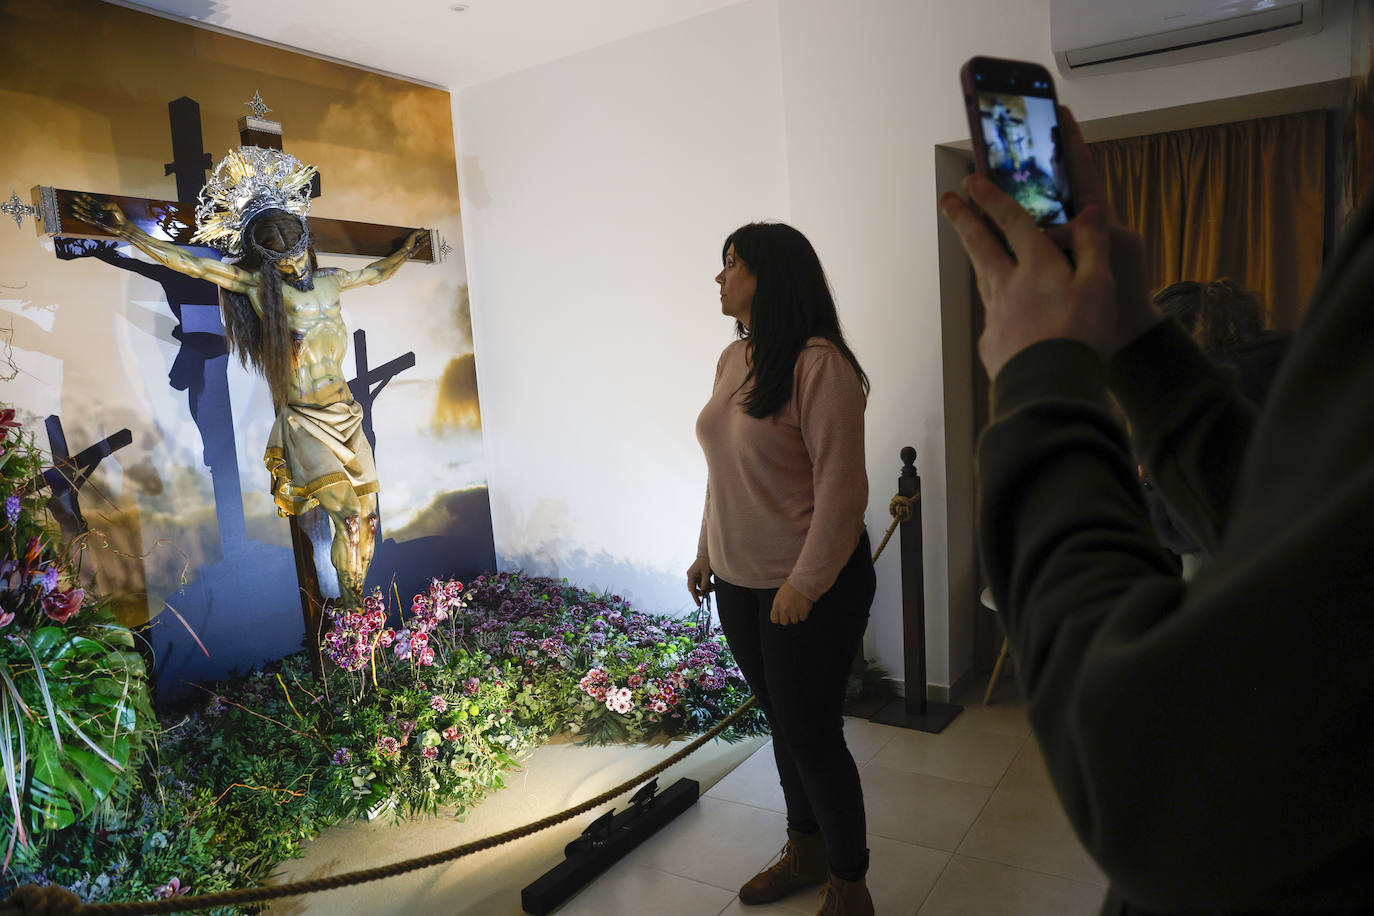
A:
[(175, 221)]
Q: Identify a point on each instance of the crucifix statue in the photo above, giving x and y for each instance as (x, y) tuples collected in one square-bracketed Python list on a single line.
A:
[(282, 315)]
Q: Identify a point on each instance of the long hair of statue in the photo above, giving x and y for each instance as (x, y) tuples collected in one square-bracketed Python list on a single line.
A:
[(264, 343)]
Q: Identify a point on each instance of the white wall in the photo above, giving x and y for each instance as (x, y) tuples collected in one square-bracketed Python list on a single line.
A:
[(597, 191)]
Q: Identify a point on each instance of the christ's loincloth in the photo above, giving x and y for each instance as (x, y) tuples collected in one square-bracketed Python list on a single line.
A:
[(311, 448)]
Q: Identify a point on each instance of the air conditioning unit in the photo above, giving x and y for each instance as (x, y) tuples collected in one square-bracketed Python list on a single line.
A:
[(1105, 36)]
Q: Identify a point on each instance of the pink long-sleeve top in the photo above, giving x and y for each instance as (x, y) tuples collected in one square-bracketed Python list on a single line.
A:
[(785, 495)]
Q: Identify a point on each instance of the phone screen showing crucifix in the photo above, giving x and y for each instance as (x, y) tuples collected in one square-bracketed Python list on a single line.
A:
[(1014, 126)]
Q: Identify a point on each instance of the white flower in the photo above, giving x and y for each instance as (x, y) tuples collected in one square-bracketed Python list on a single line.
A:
[(618, 699)]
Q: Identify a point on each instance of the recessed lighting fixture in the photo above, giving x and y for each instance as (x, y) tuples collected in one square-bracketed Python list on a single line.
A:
[(458, 7)]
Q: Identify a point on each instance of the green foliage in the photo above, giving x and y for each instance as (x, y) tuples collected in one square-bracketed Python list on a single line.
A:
[(74, 710)]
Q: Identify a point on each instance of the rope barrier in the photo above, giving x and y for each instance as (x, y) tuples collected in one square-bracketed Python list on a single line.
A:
[(901, 509), (54, 901)]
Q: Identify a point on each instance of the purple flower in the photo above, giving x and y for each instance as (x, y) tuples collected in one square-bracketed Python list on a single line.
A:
[(342, 757), (472, 685), (49, 580), (438, 703), (172, 888), (12, 507)]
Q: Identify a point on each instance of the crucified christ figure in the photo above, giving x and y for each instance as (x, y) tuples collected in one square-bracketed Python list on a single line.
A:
[(282, 314)]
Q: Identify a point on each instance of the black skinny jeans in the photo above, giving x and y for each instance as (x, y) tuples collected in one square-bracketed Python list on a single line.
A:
[(798, 673)]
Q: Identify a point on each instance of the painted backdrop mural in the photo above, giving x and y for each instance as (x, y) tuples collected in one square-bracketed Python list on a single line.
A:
[(121, 364)]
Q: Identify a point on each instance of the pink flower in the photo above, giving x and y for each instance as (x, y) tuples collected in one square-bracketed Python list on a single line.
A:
[(431, 753), (658, 706), (6, 617), (387, 637), (472, 685), (172, 888), (419, 641), (426, 656), (451, 733), (635, 680), (438, 703), (62, 606), (388, 745)]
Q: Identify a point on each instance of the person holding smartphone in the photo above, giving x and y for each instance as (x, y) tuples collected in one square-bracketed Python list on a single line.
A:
[(1209, 740), (783, 536)]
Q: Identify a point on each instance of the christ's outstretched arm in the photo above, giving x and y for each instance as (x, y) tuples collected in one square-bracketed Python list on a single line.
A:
[(108, 216), (381, 270)]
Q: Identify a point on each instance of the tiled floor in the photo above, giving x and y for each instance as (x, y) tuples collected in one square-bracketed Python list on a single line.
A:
[(964, 822)]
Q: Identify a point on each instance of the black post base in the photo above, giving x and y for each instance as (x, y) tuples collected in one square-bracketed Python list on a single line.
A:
[(934, 719), (606, 841)]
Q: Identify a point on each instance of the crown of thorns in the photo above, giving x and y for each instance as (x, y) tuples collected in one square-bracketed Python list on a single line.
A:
[(246, 182)]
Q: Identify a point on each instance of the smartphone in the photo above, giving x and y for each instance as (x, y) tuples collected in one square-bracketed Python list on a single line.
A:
[(1013, 119)]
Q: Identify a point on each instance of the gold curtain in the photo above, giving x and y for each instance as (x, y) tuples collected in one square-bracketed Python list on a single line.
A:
[(1357, 132), (1245, 200)]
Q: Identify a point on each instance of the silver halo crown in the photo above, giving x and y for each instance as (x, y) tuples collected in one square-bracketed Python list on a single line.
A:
[(248, 181)]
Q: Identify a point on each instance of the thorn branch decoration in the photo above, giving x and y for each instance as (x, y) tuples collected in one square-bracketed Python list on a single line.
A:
[(248, 181)]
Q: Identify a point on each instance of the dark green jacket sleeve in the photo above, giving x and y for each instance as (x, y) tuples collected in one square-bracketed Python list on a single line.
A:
[(1212, 743)]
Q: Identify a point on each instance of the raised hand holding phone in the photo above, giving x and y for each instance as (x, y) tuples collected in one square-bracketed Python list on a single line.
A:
[(1031, 289), (1033, 293)]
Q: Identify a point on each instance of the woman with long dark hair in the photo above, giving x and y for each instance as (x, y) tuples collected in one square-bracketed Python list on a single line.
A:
[(783, 538)]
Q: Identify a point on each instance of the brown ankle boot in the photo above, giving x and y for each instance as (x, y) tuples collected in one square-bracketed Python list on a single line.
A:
[(846, 898), (800, 864)]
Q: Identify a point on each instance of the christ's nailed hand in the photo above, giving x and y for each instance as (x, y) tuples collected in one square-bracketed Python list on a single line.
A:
[(106, 215), (417, 240)]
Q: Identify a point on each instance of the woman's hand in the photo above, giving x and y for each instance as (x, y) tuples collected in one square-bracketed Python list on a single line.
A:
[(699, 580), (789, 606)]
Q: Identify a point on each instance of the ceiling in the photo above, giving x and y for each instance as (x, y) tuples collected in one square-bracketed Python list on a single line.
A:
[(426, 40)]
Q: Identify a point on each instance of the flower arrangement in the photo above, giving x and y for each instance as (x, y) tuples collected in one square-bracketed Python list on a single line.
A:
[(419, 710), (74, 709)]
